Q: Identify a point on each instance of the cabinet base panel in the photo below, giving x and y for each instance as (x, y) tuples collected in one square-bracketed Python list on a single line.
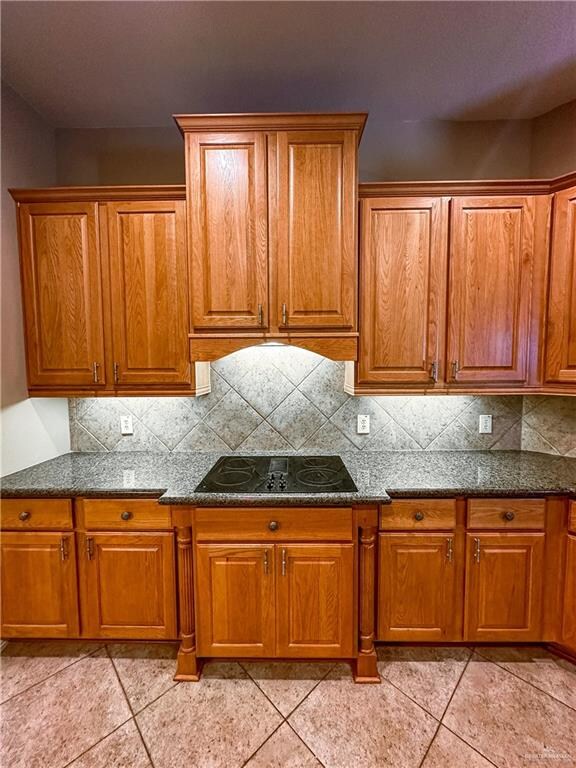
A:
[(563, 651), (188, 667), (365, 668)]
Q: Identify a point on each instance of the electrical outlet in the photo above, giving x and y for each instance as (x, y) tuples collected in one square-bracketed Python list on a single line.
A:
[(126, 426), (485, 424), (363, 425)]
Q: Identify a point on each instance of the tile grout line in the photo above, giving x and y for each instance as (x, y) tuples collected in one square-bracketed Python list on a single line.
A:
[(443, 724), (432, 740), (81, 754), (43, 680), (523, 680), (130, 706), (308, 747)]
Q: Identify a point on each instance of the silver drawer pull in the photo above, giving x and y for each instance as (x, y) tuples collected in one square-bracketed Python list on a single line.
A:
[(126, 515), (24, 515), (509, 516), (273, 525), (419, 516)]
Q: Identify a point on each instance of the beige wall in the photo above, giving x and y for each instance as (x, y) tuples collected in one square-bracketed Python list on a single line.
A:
[(439, 149), (32, 429), (554, 142)]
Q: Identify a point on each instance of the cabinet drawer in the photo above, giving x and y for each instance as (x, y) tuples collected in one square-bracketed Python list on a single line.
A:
[(572, 518), (524, 514), (273, 524), (36, 514), (125, 514), (418, 514)]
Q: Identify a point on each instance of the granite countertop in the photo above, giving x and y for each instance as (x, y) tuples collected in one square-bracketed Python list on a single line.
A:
[(378, 476)]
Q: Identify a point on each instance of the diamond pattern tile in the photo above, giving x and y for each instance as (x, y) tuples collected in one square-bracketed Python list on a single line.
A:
[(504, 707), (266, 397)]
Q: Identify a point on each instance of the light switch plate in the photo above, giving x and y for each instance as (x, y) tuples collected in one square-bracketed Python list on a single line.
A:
[(485, 424), (126, 426), (363, 425)]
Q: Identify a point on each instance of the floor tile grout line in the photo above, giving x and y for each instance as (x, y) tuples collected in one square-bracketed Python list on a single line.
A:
[(445, 710), (472, 747), (129, 706), (528, 682), (310, 691), (308, 747), (266, 740), (268, 699), (81, 754), (43, 680)]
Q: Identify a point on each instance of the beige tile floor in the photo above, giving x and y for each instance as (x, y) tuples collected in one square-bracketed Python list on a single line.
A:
[(87, 705)]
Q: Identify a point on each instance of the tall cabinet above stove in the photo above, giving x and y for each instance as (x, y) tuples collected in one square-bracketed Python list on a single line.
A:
[(272, 230)]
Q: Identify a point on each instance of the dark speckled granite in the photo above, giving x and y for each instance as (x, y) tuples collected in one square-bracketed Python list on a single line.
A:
[(378, 476)]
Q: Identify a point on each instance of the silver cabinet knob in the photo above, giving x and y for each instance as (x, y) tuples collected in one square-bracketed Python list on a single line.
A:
[(126, 515), (419, 516), (273, 525), (24, 515), (509, 515)]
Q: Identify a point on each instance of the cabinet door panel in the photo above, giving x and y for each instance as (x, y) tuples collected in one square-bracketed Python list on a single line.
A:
[(418, 594), (492, 263), (404, 251), (62, 289), (227, 202), (561, 340), (149, 292), (316, 224), (569, 613), (39, 593), (128, 585), (504, 578), (315, 594), (235, 605)]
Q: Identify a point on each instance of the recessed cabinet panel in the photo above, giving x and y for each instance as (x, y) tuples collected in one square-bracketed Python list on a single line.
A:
[(504, 582), (561, 338), (235, 605), (62, 290), (569, 612), (418, 599), (227, 200), (492, 260), (315, 606), (404, 250), (316, 225), (128, 585), (149, 296), (39, 592)]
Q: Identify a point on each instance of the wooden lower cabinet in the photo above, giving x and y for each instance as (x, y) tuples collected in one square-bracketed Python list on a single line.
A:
[(315, 600), (39, 589), (419, 592), (569, 612), (268, 600), (504, 587), (235, 588), (127, 585)]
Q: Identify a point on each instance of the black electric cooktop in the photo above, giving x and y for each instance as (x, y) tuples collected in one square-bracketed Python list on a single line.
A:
[(277, 474)]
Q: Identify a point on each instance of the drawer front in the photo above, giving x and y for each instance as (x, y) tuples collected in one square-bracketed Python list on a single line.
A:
[(513, 514), (572, 518), (273, 524), (418, 515), (36, 514), (125, 515)]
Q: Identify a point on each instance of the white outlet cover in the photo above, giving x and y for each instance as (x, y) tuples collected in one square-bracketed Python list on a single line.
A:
[(126, 426), (363, 425), (485, 424)]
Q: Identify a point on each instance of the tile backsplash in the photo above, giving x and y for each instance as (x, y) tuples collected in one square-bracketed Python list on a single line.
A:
[(275, 398)]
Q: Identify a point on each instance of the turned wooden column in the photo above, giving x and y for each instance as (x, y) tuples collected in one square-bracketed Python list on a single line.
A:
[(366, 664), (187, 664)]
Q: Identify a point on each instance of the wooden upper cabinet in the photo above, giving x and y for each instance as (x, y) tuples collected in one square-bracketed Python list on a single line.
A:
[(228, 229), (316, 229), (497, 245), (62, 294), (403, 256), (148, 292), (561, 339)]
